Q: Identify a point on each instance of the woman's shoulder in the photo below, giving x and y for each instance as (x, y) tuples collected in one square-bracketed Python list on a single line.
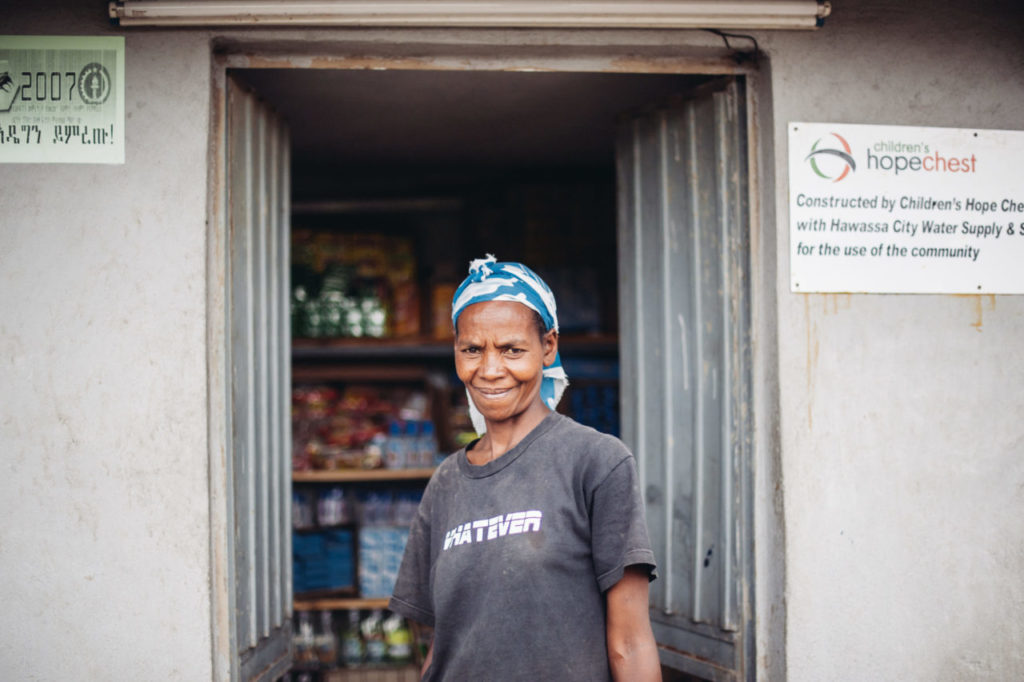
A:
[(588, 443), (446, 469)]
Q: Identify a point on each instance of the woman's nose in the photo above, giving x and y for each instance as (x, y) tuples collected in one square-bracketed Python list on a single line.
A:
[(492, 365)]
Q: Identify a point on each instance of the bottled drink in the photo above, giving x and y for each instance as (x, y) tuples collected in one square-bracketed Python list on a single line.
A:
[(412, 443), (305, 642), (374, 317), (395, 453), (398, 638), (428, 444), (372, 629), (352, 652), (332, 507), (326, 642)]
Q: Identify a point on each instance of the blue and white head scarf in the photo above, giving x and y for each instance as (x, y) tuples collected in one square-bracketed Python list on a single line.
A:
[(492, 281)]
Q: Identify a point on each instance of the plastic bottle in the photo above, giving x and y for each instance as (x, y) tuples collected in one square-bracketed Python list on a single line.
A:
[(374, 317), (326, 641), (352, 650), (398, 638), (396, 452), (332, 507), (428, 444), (412, 444), (372, 629), (299, 297), (305, 651), (406, 504)]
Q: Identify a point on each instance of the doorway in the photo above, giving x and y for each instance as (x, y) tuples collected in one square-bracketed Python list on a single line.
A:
[(562, 171)]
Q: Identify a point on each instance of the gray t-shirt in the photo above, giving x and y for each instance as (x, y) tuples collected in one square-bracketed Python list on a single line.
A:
[(509, 561)]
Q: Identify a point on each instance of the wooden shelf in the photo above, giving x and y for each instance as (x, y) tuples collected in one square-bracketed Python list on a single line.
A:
[(413, 348), (425, 347), (373, 673), (359, 475), (338, 603), (358, 373)]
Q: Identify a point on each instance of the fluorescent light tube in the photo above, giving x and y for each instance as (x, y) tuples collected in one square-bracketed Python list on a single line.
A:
[(724, 14)]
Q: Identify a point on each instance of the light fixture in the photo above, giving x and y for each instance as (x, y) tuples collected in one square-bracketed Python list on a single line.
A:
[(723, 14)]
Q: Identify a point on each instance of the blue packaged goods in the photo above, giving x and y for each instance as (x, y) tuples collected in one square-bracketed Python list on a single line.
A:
[(380, 554), (323, 560)]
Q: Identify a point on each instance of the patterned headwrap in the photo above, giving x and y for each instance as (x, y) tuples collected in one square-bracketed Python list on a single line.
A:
[(492, 281)]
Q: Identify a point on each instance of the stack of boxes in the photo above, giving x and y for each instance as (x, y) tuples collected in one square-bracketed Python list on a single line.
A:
[(323, 560), (380, 555)]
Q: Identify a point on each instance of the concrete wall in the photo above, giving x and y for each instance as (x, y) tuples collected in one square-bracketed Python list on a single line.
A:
[(104, 544), (901, 450), (902, 438)]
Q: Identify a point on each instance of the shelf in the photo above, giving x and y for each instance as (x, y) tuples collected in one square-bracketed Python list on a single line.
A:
[(414, 348), (373, 673), (370, 373), (359, 475), (338, 603), (419, 348)]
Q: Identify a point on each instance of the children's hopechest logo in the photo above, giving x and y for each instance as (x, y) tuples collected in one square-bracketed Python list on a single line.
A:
[(832, 163), (493, 528)]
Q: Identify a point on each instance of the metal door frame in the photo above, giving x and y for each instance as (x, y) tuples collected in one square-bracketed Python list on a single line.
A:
[(639, 52)]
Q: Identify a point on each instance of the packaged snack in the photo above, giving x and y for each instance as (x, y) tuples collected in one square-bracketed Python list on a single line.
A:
[(441, 311)]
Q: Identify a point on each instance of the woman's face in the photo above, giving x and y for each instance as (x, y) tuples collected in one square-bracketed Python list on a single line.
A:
[(501, 358)]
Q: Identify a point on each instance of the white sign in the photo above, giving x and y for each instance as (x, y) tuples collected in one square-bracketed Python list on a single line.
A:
[(61, 99), (892, 209)]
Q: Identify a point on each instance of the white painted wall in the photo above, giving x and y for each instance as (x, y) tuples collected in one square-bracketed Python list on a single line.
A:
[(902, 453), (901, 416), (104, 544)]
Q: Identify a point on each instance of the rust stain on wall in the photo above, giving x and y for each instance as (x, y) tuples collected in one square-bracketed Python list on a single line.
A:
[(979, 309), (812, 348), (835, 303)]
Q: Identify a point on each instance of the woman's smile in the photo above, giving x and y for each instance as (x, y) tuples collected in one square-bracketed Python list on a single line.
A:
[(493, 393), (500, 357)]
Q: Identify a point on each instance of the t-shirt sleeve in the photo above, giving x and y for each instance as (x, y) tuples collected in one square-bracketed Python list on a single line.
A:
[(619, 527), (412, 595)]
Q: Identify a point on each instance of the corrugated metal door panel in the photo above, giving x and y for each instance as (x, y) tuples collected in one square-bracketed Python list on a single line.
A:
[(242, 408), (260, 332), (284, 334), (678, 196), (649, 299), (274, 387), (259, 347), (628, 267), (682, 226), (709, 523)]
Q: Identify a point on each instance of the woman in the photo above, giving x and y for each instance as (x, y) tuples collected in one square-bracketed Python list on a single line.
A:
[(529, 555)]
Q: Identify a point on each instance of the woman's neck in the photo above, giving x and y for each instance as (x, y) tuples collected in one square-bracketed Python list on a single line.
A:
[(505, 435)]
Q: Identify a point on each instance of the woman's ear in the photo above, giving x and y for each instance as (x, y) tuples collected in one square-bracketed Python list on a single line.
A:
[(550, 343)]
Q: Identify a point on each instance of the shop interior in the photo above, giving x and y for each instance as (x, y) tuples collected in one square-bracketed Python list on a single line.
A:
[(398, 180)]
